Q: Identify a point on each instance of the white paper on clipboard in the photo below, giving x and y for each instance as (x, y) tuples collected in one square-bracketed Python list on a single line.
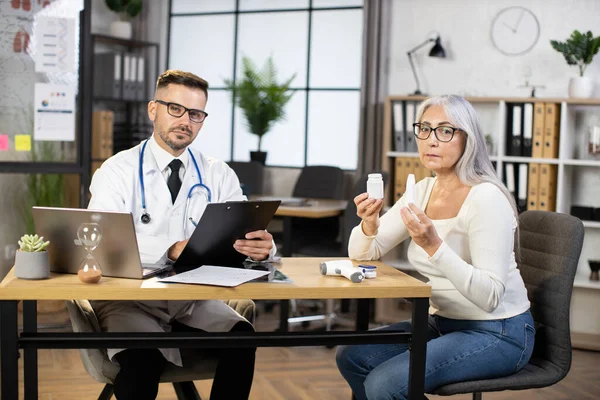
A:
[(216, 276)]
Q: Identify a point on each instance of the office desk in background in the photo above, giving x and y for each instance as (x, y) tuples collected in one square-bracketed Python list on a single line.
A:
[(310, 208), (308, 283)]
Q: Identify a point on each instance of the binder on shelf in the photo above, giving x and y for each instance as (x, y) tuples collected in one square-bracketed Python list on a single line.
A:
[(526, 140), (102, 134), (107, 75), (411, 141), (509, 178), (141, 82), (533, 187), (539, 118), (547, 187), (551, 130), (133, 77), (109, 121), (516, 130), (398, 127), (522, 187), (126, 77)]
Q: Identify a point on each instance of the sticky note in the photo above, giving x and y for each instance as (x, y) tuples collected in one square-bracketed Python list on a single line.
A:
[(3, 142), (23, 142)]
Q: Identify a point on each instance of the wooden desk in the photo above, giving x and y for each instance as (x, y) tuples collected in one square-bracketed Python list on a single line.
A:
[(308, 283), (314, 208)]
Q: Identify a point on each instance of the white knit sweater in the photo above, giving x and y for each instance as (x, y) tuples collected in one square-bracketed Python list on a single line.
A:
[(473, 274)]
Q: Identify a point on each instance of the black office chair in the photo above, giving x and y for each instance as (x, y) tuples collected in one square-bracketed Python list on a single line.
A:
[(550, 249), (339, 248), (319, 182), (250, 174)]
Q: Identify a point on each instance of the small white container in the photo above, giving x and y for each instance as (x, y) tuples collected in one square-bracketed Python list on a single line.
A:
[(375, 186)]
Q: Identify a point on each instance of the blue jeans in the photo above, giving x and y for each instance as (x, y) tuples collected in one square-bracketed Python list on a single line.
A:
[(457, 351)]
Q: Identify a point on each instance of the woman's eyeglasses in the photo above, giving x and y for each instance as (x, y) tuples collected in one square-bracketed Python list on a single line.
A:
[(442, 133)]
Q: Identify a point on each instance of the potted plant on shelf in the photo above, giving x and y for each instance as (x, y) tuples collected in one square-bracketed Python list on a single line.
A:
[(261, 99), (579, 49), (31, 259), (127, 10)]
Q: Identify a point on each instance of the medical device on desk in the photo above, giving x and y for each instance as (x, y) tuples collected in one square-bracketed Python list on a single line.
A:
[(342, 268), (145, 216)]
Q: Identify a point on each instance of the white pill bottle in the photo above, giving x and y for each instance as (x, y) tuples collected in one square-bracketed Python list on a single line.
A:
[(375, 186)]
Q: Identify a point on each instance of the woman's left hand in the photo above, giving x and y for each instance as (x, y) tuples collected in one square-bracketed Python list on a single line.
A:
[(421, 228)]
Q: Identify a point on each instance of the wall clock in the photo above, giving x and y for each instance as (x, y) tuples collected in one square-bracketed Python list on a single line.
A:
[(515, 30)]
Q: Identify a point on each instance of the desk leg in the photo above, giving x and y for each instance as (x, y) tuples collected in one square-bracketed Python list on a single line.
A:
[(284, 305), (416, 371), (30, 359), (284, 314), (9, 351), (287, 237), (363, 313)]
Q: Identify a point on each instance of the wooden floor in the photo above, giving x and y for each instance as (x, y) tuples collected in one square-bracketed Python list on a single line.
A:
[(303, 373)]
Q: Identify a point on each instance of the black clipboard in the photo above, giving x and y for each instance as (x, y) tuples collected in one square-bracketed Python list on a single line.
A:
[(219, 227)]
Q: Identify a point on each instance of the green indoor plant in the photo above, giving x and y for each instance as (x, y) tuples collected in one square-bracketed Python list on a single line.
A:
[(127, 10), (579, 49), (31, 259), (261, 99), (43, 189)]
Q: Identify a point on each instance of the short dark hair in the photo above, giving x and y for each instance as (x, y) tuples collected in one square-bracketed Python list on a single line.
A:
[(179, 77)]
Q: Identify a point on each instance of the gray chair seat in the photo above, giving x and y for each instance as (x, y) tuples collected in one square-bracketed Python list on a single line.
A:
[(197, 366)]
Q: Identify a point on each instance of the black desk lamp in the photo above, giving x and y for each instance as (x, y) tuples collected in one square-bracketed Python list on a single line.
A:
[(436, 51)]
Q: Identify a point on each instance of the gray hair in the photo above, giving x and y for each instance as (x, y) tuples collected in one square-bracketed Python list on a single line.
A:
[(474, 166)]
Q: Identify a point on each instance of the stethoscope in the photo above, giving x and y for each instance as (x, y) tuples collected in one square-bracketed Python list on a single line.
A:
[(145, 216)]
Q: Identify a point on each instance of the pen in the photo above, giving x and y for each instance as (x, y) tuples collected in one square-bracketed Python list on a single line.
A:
[(192, 221)]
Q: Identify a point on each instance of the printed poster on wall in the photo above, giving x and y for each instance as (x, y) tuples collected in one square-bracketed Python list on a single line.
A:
[(54, 112), (55, 45)]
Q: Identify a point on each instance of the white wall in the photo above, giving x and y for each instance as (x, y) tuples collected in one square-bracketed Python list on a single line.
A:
[(473, 66)]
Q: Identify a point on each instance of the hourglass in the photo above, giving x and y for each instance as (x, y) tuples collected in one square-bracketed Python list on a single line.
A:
[(89, 234)]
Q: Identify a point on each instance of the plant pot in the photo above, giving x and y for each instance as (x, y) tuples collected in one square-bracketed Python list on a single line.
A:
[(581, 87), (260, 156), (32, 265), (121, 29)]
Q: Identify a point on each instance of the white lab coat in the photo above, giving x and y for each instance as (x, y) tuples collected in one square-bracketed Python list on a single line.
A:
[(116, 186)]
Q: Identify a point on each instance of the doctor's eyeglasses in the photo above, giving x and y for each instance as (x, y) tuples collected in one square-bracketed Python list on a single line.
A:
[(177, 110), (442, 133)]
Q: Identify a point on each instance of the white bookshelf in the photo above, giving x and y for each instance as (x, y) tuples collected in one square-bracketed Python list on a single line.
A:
[(578, 180)]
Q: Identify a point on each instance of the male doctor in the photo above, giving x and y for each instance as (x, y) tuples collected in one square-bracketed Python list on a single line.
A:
[(153, 181)]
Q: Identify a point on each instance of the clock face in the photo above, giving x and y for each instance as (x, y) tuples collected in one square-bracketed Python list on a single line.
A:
[(515, 30)]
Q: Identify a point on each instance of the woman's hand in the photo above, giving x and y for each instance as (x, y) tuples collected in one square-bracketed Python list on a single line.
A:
[(421, 228), (368, 210)]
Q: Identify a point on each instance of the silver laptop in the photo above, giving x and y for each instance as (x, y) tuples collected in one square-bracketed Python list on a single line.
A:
[(117, 252)]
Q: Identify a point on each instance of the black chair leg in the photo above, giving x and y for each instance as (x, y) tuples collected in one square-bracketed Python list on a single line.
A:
[(107, 392), (186, 391), (477, 396)]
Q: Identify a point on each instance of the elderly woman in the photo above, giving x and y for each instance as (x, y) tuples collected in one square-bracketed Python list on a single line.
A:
[(463, 226)]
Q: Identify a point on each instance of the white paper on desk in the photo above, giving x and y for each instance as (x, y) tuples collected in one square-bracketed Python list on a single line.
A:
[(216, 276)]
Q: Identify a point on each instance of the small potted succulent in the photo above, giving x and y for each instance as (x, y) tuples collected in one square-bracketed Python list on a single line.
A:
[(31, 259)]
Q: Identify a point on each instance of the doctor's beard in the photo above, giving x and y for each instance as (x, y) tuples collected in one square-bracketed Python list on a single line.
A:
[(177, 130)]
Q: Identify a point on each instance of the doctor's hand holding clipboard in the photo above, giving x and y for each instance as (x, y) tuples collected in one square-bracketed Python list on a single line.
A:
[(257, 245)]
